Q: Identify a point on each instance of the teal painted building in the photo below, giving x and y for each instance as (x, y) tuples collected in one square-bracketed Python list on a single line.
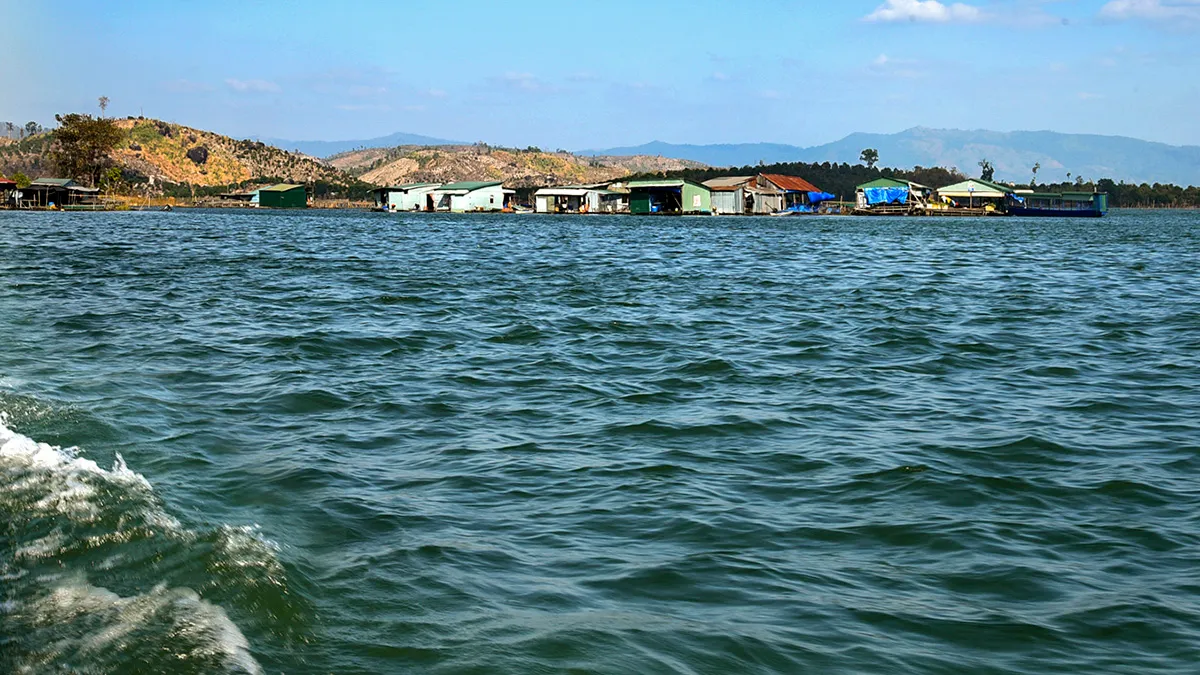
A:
[(672, 196)]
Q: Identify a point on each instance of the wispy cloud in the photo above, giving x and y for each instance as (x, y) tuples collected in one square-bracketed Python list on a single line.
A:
[(894, 67), (1152, 10), (522, 81), (182, 86), (925, 11), (366, 91), (256, 86), (363, 107), (526, 83)]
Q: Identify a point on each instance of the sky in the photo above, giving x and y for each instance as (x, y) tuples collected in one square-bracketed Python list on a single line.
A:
[(579, 74)]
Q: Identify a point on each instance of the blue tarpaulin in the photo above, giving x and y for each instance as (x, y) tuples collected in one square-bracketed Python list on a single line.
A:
[(887, 195), (818, 197)]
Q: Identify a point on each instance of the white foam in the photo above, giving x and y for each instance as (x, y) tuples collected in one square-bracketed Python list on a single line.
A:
[(63, 481), (43, 480), (194, 621)]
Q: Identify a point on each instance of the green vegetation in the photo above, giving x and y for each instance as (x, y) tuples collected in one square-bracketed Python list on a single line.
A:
[(986, 170), (82, 144), (837, 179), (870, 157), (842, 179), (21, 180)]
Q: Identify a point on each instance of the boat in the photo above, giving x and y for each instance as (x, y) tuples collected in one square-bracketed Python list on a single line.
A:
[(1058, 204)]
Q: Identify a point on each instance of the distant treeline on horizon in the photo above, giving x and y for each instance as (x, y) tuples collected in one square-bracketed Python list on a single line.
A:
[(841, 180)]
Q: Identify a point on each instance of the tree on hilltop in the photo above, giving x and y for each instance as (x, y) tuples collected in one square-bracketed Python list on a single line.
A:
[(103, 100), (987, 171), (81, 146)]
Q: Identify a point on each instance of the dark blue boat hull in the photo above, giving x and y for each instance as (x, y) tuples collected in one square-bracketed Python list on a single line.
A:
[(1054, 213)]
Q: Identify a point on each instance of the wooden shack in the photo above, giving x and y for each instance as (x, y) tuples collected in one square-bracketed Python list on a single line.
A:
[(45, 193)]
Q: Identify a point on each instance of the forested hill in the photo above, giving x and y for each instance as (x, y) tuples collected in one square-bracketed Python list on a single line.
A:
[(839, 180), (842, 179)]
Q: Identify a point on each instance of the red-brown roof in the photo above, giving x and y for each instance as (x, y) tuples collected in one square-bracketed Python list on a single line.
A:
[(6, 182), (791, 183)]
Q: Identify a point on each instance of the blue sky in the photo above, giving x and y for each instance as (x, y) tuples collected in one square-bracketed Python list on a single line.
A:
[(582, 74)]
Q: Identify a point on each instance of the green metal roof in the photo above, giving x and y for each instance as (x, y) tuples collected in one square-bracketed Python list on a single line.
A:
[(884, 183), (57, 182), (976, 187), (282, 187), (470, 185)]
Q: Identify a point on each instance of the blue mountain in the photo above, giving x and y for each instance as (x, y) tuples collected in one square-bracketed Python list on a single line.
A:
[(1013, 154)]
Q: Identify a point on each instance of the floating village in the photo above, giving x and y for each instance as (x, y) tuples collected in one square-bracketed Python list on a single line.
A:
[(759, 195)]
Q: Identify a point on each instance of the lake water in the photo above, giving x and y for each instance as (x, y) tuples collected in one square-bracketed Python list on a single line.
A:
[(338, 442)]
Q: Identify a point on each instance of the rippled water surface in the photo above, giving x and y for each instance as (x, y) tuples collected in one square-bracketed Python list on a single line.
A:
[(366, 443)]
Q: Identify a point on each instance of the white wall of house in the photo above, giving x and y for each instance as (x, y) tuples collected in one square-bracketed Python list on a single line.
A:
[(483, 199)]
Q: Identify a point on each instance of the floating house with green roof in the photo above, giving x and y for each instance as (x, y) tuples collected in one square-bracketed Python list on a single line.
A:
[(467, 196), (975, 189), (407, 197), (283, 196), (676, 196)]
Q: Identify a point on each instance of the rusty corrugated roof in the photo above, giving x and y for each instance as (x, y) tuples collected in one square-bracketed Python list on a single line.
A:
[(791, 183)]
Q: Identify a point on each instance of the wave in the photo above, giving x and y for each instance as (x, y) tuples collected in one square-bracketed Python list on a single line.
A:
[(85, 572)]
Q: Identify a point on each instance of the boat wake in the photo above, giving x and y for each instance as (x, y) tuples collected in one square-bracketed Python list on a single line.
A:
[(97, 576)]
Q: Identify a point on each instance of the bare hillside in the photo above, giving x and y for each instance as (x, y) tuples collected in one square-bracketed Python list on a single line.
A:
[(517, 168)]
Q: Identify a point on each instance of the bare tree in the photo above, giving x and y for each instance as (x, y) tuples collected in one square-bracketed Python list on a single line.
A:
[(1036, 167), (103, 105)]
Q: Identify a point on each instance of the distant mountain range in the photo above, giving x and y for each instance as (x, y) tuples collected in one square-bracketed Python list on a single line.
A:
[(1013, 154), (330, 148)]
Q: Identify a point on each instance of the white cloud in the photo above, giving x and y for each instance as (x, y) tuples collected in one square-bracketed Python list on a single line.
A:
[(258, 86), (925, 11), (1152, 10)]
